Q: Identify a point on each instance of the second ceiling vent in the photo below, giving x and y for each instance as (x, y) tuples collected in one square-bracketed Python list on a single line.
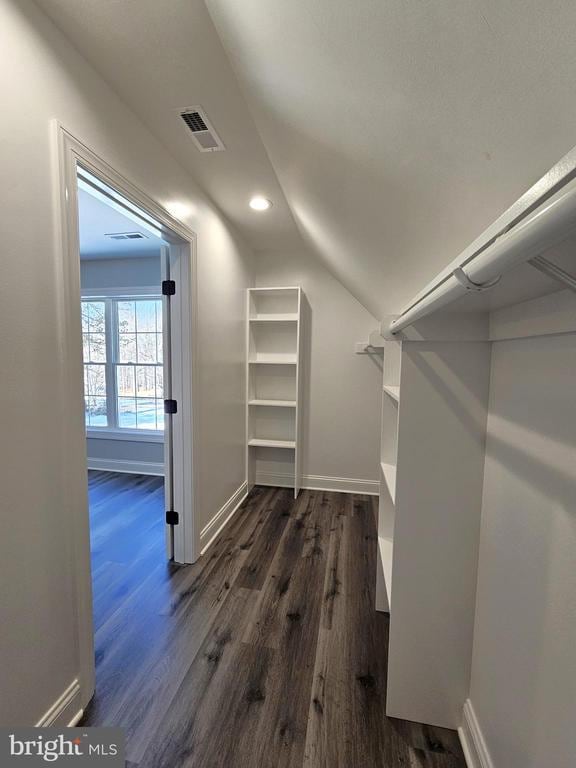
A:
[(125, 235), (201, 130)]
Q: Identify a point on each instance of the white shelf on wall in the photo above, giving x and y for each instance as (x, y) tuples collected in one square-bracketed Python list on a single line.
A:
[(389, 475), (261, 443), (393, 392), (279, 318), (267, 359), (274, 403), (273, 412)]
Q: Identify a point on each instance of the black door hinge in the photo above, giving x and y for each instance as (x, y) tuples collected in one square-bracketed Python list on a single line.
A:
[(172, 518), (168, 287), (170, 406)]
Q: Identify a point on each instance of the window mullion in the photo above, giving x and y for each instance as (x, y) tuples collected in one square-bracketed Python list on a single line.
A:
[(111, 407), (136, 358)]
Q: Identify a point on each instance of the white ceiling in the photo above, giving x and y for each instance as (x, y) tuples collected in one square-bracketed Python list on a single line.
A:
[(163, 56), (96, 220), (392, 131)]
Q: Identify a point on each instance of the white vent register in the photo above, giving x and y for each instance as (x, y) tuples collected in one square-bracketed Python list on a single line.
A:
[(199, 127), (125, 236)]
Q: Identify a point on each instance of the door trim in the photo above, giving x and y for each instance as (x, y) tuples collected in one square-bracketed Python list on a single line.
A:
[(69, 152)]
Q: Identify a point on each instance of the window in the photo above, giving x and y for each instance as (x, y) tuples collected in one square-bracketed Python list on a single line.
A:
[(123, 373)]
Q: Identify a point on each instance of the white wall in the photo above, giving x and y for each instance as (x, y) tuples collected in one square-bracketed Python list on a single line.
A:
[(523, 687), (342, 390), (46, 78), (139, 456), (117, 273), (120, 272)]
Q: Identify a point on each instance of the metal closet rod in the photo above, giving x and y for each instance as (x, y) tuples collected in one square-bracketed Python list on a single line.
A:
[(546, 226)]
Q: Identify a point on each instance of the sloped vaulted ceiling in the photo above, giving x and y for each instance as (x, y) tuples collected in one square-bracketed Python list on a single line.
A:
[(391, 132), (399, 129)]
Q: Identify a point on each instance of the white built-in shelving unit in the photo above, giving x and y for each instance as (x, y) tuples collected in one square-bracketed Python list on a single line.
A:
[(434, 405), (388, 459), (273, 376), (515, 281)]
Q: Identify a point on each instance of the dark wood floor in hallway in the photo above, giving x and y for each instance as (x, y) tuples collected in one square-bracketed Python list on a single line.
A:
[(267, 652)]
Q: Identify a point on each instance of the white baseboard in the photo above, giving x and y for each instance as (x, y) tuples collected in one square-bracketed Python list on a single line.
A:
[(472, 740), (66, 709), (132, 467), (224, 514), (320, 483)]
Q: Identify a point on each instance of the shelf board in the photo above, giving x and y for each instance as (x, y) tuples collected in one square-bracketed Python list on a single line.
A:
[(275, 290), (291, 317), (258, 442), (274, 360), (393, 392), (389, 475), (385, 552), (274, 403)]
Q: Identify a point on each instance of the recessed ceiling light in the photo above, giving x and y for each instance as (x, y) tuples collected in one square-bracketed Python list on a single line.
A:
[(260, 204)]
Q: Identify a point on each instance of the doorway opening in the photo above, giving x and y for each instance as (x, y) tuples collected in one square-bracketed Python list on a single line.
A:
[(129, 302), (126, 360), (126, 293)]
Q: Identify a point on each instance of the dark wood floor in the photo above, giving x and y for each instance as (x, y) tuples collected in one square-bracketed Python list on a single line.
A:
[(267, 652)]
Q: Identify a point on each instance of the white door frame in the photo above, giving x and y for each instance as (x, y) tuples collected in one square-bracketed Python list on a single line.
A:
[(70, 152)]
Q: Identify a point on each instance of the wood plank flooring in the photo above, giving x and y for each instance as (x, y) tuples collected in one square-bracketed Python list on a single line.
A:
[(267, 653)]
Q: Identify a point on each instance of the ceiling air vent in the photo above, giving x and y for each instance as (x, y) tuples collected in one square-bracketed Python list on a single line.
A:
[(126, 236), (201, 129)]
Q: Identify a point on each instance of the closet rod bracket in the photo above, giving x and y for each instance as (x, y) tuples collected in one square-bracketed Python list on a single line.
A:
[(470, 285)]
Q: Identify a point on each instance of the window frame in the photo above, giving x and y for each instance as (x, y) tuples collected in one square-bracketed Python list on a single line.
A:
[(113, 431)]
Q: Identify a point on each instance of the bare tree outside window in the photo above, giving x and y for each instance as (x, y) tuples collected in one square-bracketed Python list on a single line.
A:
[(94, 351), (134, 372)]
